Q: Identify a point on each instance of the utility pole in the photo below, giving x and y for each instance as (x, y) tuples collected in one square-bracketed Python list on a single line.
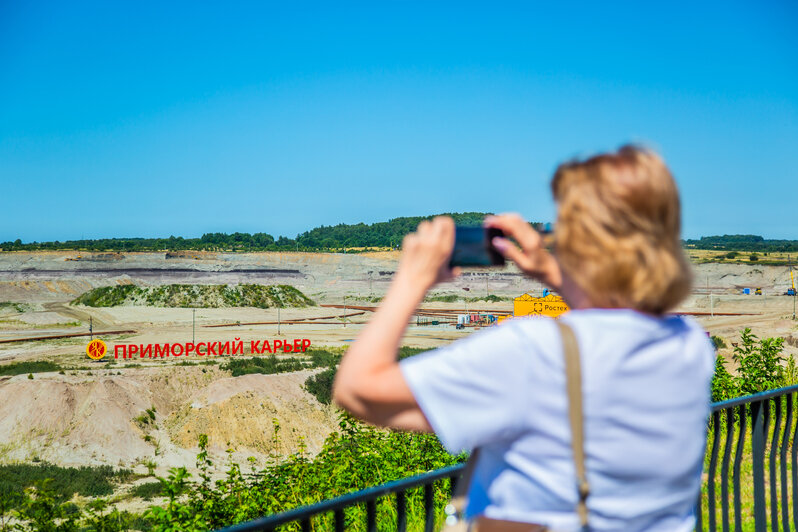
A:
[(278, 321), (193, 323), (91, 327), (792, 284), (344, 318)]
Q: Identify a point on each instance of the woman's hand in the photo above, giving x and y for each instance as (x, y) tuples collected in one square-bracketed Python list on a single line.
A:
[(425, 254), (532, 258)]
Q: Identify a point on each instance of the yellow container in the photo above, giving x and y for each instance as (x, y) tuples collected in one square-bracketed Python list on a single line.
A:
[(551, 306)]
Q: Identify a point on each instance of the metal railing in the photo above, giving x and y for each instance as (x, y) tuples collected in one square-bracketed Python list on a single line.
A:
[(304, 515), (764, 474), (744, 435)]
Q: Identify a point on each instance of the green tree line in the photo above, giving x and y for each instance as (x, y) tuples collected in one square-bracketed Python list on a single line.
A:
[(742, 243), (323, 238)]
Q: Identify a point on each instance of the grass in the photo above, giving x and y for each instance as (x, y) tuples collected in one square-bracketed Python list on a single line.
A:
[(19, 368), (196, 296), (88, 481), (148, 490)]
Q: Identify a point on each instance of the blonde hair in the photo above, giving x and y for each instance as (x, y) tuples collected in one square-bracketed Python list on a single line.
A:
[(618, 230)]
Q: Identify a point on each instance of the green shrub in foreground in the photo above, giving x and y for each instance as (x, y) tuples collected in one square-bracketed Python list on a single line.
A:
[(357, 457)]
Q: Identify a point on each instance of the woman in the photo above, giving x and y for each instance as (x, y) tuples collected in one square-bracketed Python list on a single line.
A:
[(619, 265)]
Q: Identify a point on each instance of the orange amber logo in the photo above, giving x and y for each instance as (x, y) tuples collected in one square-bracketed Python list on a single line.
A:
[(96, 349)]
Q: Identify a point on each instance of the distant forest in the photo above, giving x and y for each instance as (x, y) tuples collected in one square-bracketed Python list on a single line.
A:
[(325, 238), (742, 243), (344, 236)]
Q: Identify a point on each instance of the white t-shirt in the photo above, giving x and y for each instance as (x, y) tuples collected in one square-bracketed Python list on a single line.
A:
[(646, 388)]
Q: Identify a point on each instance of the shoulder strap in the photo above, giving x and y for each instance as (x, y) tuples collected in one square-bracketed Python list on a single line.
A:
[(465, 479), (457, 505), (573, 379)]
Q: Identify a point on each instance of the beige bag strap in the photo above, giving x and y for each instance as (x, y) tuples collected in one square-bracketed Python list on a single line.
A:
[(573, 379), (455, 510), (457, 504)]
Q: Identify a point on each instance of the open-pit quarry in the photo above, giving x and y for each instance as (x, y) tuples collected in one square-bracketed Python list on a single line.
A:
[(89, 412)]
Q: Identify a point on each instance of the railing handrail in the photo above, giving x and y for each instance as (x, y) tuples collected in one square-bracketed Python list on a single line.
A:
[(398, 486), (768, 394), (343, 501)]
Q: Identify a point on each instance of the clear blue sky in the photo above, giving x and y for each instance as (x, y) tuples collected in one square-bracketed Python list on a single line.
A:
[(168, 118)]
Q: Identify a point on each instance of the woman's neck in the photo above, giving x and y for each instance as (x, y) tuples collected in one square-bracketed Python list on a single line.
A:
[(574, 296)]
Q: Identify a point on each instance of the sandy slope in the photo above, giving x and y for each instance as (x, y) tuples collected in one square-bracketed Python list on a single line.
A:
[(90, 419)]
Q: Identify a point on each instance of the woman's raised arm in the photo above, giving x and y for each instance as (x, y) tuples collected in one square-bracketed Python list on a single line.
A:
[(369, 383)]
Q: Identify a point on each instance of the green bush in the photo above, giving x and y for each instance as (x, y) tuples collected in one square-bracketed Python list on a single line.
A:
[(323, 357), (759, 363), (724, 385), (759, 367), (718, 342), (320, 385), (447, 298)]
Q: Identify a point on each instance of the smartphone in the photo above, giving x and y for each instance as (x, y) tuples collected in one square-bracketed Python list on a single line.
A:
[(473, 247)]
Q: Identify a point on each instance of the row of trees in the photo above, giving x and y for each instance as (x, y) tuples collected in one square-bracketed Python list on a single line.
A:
[(742, 243), (342, 236), (324, 238)]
